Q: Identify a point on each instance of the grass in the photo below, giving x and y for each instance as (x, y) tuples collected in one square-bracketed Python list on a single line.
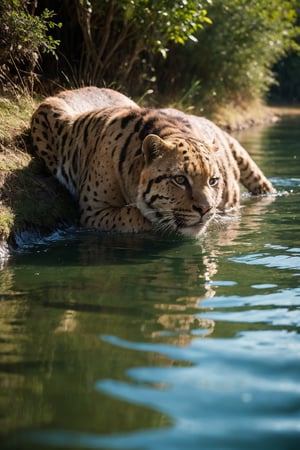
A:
[(286, 110), (230, 116), (15, 112), (30, 199), (233, 117), (6, 220)]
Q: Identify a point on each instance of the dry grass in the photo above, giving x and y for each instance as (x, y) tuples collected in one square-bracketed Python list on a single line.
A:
[(15, 114), (29, 197), (234, 118), (285, 110)]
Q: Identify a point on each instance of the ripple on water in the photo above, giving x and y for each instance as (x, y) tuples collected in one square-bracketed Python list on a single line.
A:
[(286, 182), (264, 286), (288, 258), (236, 394)]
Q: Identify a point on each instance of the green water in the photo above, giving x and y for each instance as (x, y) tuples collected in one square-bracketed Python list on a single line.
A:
[(152, 342)]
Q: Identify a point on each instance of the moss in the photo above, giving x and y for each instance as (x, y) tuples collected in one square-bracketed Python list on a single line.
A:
[(32, 199), (29, 197), (6, 221), (40, 200), (15, 113)]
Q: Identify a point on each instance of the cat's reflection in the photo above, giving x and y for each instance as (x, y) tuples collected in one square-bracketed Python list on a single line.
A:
[(156, 262)]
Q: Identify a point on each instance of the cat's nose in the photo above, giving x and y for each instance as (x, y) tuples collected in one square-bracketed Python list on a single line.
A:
[(202, 209)]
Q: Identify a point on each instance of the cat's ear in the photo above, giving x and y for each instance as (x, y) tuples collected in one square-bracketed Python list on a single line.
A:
[(154, 147)]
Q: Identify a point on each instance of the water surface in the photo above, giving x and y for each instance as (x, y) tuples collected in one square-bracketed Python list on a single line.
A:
[(154, 342)]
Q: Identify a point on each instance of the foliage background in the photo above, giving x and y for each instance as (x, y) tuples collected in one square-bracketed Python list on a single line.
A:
[(208, 52)]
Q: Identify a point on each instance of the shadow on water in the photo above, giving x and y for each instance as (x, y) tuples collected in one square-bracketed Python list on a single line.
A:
[(110, 341)]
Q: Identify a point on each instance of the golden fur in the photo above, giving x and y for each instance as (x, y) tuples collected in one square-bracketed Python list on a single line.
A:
[(135, 169)]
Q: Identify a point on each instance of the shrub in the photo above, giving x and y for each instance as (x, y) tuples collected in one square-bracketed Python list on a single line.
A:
[(23, 35), (234, 57)]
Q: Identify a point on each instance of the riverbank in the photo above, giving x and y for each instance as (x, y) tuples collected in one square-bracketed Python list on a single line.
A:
[(236, 118), (285, 110), (32, 200)]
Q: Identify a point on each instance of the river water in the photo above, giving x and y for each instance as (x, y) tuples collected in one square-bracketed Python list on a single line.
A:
[(160, 343)]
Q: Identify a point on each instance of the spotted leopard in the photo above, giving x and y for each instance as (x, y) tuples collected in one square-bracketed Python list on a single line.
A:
[(136, 169)]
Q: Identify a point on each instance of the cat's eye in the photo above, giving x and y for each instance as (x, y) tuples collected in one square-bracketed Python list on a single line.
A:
[(180, 180), (213, 181)]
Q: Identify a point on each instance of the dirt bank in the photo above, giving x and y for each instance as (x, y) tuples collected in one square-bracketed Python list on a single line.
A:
[(30, 199)]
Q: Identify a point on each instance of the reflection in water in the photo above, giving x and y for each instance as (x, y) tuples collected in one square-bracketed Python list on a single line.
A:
[(157, 342), (68, 322), (196, 396), (154, 290)]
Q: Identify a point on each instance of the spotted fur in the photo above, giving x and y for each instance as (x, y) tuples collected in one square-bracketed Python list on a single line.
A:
[(134, 169)]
